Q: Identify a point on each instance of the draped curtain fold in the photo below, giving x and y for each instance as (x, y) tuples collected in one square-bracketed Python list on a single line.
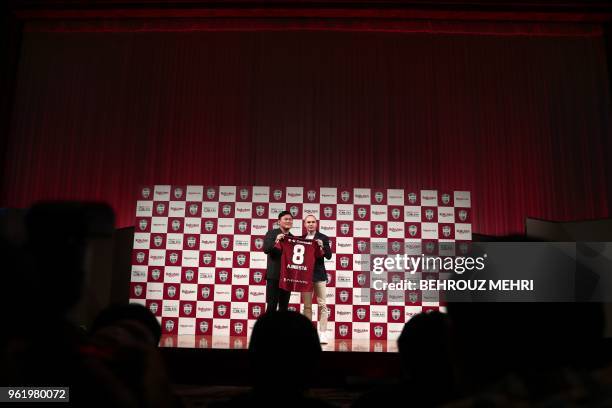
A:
[(516, 115)]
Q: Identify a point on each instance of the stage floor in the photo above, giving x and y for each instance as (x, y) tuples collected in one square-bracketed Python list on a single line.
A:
[(238, 343), (225, 361)]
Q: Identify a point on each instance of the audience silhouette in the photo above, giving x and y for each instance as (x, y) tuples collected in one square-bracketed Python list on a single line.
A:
[(478, 354)]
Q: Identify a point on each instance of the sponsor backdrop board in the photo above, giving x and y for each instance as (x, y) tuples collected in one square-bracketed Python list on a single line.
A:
[(198, 263)]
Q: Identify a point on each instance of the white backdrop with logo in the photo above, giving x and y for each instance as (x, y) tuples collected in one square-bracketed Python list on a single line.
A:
[(198, 263)]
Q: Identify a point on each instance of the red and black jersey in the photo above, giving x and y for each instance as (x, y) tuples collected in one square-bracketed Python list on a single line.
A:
[(297, 263)]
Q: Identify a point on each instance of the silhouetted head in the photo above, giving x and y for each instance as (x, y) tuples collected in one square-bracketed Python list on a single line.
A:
[(423, 346), (134, 319), (279, 338)]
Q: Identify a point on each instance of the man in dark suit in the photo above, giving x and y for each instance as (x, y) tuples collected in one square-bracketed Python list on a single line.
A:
[(275, 296)]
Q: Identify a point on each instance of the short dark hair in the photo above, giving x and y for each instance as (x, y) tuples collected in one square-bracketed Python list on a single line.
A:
[(283, 213), (115, 313), (288, 334)]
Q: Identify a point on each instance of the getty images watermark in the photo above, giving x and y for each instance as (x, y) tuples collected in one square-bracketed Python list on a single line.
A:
[(495, 272), (438, 264)]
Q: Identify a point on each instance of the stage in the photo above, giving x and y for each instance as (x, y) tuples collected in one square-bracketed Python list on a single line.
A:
[(208, 360), (242, 343)]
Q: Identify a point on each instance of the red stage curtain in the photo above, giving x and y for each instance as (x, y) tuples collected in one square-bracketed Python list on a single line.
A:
[(519, 120)]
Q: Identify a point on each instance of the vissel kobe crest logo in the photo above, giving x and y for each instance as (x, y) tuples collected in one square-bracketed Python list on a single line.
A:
[(191, 242), (344, 261), (205, 292), (361, 212), (146, 192), (209, 225), (378, 229), (445, 199), (242, 226), (221, 310), (225, 242), (259, 210), (187, 309), (344, 228), (361, 246), (226, 209), (256, 311), (158, 240), (239, 293), (203, 327), (142, 224), (178, 193), (169, 325)]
